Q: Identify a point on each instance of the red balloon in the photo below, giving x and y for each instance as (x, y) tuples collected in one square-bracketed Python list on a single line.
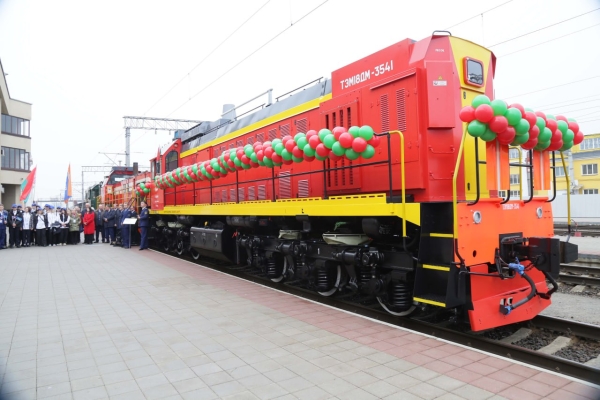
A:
[(268, 152), (321, 150), (375, 140), (267, 143), (239, 168), (189, 171), (239, 153), (337, 131), (346, 140), (578, 137), (309, 159), (289, 145), (231, 164), (314, 141), (226, 156), (519, 107), (288, 162), (276, 158), (258, 148), (260, 155), (296, 152), (551, 124), (574, 126), (286, 138), (541, 115), (244, 159), (555, 145), (531, 118), (254, 164), (561, 118), (507, 136), (310, 134), (484, 113), (220, 162), (333, 157), (534, 132), (359, 144), (467, 114), (222, 175), (530, 144), (498, 124), (556, 136)]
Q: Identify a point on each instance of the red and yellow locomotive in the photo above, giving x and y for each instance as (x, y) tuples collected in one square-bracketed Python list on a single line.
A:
[(411, 216)]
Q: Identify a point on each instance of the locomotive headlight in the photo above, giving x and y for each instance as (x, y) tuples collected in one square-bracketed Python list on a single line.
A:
[(539, 212), (477, 217)]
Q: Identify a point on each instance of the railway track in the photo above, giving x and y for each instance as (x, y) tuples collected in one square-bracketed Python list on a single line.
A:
[(583, 232), (442, 330), (581, 273)]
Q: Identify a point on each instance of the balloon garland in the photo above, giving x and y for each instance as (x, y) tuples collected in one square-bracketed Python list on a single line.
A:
[(143, 188), (326, 144), (518, 126)]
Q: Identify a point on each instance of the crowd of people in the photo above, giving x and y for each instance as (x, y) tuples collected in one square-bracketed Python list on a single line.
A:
[(55, 226)]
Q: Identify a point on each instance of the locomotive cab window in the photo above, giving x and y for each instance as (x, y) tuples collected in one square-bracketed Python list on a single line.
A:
[(473, 72), (171, 161)]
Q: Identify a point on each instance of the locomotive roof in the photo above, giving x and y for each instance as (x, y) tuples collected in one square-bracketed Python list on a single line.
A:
[(208, 131)]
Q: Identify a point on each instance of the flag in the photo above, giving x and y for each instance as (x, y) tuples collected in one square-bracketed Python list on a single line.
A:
[(27, 185), (68, 189)]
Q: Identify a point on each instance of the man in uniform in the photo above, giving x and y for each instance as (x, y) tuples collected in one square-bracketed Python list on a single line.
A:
[(109, 224), (3, 225), (118, 217), (144, 224), (125, 229), (15, 224), (100, 223)]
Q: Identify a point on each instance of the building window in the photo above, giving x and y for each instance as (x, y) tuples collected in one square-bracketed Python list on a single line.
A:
[(514, 153), (589, 169), (515, 194), (560, 171), (515, 179), (590, 144), (15, 159), (590, 191), (14, 125), (502, 193)]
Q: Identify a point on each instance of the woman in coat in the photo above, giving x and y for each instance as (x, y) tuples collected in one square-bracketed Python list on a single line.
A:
[(89, 226), (74, 234)]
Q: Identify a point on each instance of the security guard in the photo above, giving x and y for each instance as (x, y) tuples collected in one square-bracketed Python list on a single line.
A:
[(15, 224), (3, 225), (144, 224)]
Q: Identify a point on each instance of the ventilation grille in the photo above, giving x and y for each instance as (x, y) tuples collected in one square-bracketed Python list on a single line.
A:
[(217, 197), (272, 134), (341, 117), (260, 137), (239, 143), (241, 194), (223, 148), (231, 146), (285, 130), (301, 125), (262, 192), (385, 113), (401, 109), (251, 193), (285, 185), (231, 194), (250, 140), (303, 188), (349, 116), (224, 196)]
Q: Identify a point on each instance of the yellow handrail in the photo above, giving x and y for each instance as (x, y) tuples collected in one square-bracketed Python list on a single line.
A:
[(402, 180), (454, 191), (562, 157)]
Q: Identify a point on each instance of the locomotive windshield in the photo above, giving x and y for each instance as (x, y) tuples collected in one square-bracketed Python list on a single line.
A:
[(474, 71)]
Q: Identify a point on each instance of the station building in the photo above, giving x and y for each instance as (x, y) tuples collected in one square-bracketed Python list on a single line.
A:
[(15, 144)]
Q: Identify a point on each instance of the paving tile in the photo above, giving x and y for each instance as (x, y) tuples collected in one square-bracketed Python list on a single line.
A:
[(91, 393), (150, 381), (86, 383), (119, 376), (48, 380), (53, 390), (133, 395), (472, 393), (118, 388), (312, 393), (380, 388), (17, 386), (160, 391), (203, 393)]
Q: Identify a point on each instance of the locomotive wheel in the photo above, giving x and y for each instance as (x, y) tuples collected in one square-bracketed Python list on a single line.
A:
[(179, 247), (335, 287), (283, 272), (397, 314), (165, 244), (195, 254)]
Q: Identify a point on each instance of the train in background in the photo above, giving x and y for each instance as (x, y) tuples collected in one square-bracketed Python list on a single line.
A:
[(411, 218)]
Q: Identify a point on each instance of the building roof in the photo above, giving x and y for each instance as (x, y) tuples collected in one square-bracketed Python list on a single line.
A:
[(11, 106)]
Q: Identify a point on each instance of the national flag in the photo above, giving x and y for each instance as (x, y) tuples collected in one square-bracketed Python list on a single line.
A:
[(27, 185), (68, 188)]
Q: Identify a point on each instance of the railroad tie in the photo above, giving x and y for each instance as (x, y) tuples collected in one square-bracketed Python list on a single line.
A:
[(594, 362), (556, 345), (522, 333)]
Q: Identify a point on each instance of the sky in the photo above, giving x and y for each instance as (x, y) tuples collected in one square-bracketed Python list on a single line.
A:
[(84, 65)]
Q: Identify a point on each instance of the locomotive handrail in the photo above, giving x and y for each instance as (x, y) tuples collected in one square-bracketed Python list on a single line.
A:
[(553, 168), (562, 157), (402, 178), (454, 191)]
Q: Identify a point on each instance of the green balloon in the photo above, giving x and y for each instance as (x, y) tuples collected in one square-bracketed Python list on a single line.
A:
[(187, 176), (318, 157), (237, 162), (571, 120), (268, 162), (246, 166), (499, 106), (354, 131), (248, 151), (195, 169), (277, 164), (351, 154), (298, 136), (369, 152), (286, 155), (488, 136), (541, 146), (550, 116), (301, 142), (566, 146), (274, 142), (279, 147), (513, 115), (323, 133), (545, 135), (479, 100), (253, 157), (329, 140), (366, 132), (562, 126), (476, 128), (297, 159), (568, 136), (540, 123), (261, 163), (337, 149), (522, 127), (309, 151), (529, 109), (520, 139), (142, 185)]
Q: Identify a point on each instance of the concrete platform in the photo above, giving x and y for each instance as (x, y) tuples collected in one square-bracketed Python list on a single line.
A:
[(93, 322), (589, 247)]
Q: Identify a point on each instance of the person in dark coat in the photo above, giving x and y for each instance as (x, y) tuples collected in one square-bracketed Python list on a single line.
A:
[(144, 224), (99, 221), (125, 229), (118, 216), (40, 225), (109, 224), (3, 225), (15, 224)]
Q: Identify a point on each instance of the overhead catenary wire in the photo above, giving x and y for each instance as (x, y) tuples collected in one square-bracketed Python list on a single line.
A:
[(562, 103), (207, 56), (545, 27), (552, 87), (478, 14), (247, 57)]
